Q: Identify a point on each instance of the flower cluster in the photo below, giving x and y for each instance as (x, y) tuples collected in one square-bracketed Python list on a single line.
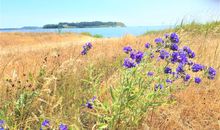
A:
[(179, 56), (174, 47), (164, 54), (129, 63), (127, 49), (46, 124), (175, 56), (174, 38), (134, 59), (189, 52), (197, 67), (137, 56), (158, 40), (86, 48)]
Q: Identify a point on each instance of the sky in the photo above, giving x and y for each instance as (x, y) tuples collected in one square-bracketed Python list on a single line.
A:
[(19, 13)]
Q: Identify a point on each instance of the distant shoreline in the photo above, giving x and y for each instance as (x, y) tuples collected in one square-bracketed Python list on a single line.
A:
[(104, 31), (94, 24), (62, 25)]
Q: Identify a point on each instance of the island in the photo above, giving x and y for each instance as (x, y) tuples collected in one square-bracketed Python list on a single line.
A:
[(93, 24), (30, 27)]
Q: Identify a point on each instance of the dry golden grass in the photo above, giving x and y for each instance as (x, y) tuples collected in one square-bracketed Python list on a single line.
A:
[(197, 107), (18, 39), (26, 52)]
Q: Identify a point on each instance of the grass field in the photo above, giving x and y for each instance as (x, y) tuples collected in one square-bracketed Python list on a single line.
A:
[(44, 76)]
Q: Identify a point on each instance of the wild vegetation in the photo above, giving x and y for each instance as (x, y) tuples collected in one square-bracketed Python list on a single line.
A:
[(150, 81)]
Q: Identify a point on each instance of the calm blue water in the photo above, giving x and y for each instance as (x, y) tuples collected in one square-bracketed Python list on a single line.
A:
[(106, 32)]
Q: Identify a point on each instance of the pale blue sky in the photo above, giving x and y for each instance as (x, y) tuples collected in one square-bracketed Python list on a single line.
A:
[(18, 13)]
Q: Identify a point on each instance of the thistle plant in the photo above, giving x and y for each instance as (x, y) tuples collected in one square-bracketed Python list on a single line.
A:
[(147, 78)]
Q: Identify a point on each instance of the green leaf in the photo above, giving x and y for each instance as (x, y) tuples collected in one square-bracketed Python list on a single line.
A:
[(102, 126), (86, 81), (112, 94), (132, 97)]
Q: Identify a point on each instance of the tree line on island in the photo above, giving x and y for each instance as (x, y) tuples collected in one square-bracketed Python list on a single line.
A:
[(84, 25)]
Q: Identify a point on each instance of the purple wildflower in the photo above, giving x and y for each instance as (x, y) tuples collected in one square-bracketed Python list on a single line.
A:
[(164, 54), (2, 122), (150, 73), (151, 55), (147, 45), (63, 127), (88, 45), (93, 99), (191, 55), (86, 48), (197, 67), (166, 35), (128, 63), (211, 73), (187, 77), (158, 86), (84, 52), (90, 102), (174, 47), (158, 40), (127, 49), (46, 123), (197, 80), (180, 68), (167, 70), (89, 105), (174, 38), (187, 49), (168, 81), (174, 57), (133, 55), (189, 52), (182, 57), (175, 74), (139, 56)]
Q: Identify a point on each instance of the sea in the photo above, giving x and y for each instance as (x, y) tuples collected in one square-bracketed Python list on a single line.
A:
[(105, 32)]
